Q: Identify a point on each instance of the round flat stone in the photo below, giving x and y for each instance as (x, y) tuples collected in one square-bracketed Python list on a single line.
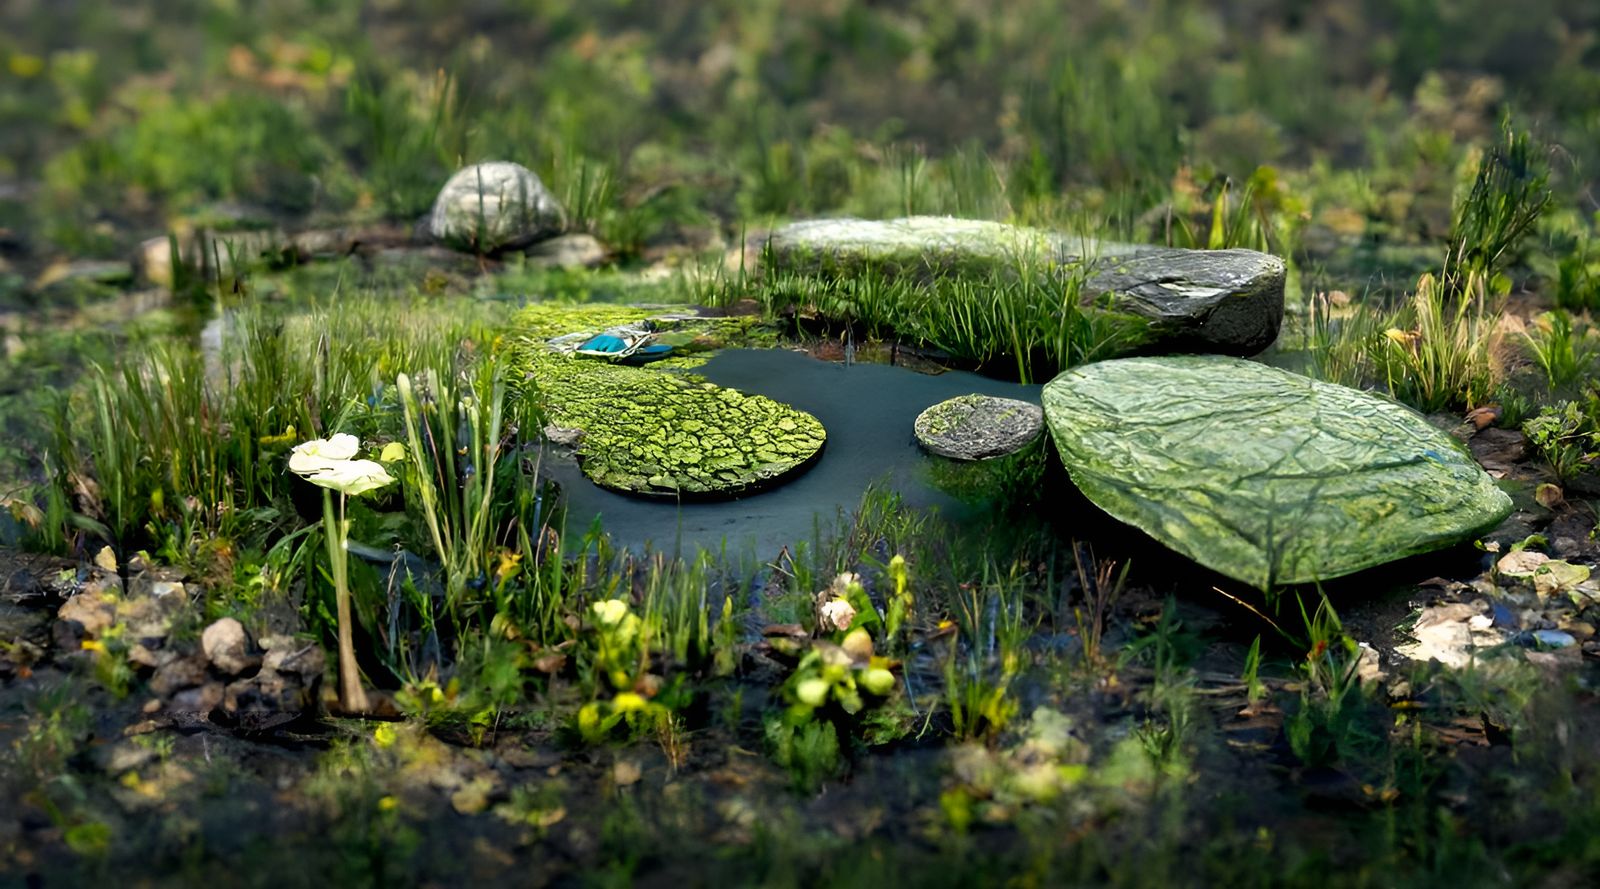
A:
[(978, 427)]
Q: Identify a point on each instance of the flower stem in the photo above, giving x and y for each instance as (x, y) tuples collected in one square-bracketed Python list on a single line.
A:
[(352, 697)]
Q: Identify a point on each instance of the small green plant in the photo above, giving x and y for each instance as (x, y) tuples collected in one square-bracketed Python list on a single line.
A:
[(1254, 690), (900, 602), (1568, 435), (1102, 587), (830, 697), (1578, 274), (987, 655), (616, 659), (1565, 352), (1332, 723), (1442, 354)]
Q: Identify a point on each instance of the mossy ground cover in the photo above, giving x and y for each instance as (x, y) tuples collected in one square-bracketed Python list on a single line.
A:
[(662, 431)]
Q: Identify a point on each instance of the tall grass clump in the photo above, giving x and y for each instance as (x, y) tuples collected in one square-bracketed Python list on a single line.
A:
[(1509, 192), (1440, 353), (471, 480), (1028, 315), (171, 433), (1435, 351), (409, 143)]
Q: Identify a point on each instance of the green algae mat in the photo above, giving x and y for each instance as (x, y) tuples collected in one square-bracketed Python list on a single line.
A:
[(1263, 475), (657, 430)]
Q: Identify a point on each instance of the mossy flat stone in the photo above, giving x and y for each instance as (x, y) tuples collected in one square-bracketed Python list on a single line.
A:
[(978, 427), (1227, 301), (658, 432), (1266, 476)]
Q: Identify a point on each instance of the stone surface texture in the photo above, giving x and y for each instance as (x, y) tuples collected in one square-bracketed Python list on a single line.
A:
[(1261, 474), (492, 206), (978, 427)]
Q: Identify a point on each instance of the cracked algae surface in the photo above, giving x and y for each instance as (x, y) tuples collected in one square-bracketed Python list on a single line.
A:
[(658, 431)]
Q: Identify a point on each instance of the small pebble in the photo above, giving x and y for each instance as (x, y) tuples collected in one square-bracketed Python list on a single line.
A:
[(1505, 617), (1553, 639)]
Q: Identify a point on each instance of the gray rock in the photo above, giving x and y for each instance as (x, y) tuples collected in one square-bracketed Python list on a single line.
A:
[(90, 611), (148, 620), (574, 251), (286, 654), (978, 427), (1264, 475), (492, 206), (152, 659), (123, 756), (177, 675), (1228, 301), (156, 583), (195, 703), (284, 690), (227, 647)]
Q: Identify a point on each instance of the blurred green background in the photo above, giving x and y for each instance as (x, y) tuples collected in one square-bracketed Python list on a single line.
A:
[(1351, 121)]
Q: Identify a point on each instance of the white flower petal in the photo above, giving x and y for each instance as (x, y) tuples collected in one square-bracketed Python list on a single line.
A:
[(352, 476), (342, 446)]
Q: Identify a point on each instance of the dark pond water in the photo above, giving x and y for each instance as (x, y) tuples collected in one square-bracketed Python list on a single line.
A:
[(868, 411)]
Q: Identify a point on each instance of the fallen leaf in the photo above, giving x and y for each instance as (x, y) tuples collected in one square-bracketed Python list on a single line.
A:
[(1484, 416), (1556, 576), (1522, 563)]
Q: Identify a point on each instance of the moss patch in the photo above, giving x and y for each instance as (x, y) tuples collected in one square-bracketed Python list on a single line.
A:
[(660, 432)]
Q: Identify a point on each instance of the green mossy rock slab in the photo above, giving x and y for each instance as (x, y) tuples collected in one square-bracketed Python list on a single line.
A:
[(1228, 301), (978, 427), (659, 432), (1264, 475)]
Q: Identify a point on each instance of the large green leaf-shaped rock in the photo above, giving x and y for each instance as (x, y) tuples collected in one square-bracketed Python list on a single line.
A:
[(1266, 476)]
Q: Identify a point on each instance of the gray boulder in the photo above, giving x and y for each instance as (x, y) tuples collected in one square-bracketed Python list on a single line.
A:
[(493, 206), (1228, 301), (227, 647), (1266, 476), (978, 427)]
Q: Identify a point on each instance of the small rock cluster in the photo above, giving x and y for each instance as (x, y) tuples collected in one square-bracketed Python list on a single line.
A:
[(492, 209), (224, 678)]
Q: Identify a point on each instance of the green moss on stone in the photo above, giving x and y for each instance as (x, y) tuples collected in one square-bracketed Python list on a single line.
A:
[(1264, 475), (659, 432)]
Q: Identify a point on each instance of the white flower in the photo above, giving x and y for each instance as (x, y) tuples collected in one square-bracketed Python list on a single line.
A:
[(841, 585), (837, 614), (319, 454), (350, 476)]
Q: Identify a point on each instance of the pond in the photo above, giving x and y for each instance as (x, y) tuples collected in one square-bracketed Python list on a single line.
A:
[(867, 410)]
